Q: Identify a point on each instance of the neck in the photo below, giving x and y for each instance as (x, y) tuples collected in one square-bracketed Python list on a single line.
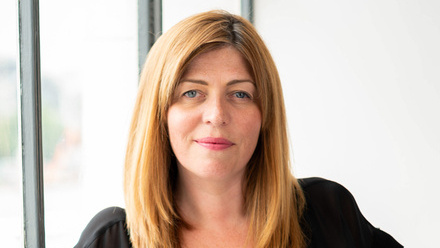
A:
[(209, 204)]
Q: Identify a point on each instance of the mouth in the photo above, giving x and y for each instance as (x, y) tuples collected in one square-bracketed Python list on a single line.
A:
[(214, 143)]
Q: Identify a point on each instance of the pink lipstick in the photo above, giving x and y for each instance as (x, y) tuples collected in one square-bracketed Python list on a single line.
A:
[(214, 143)]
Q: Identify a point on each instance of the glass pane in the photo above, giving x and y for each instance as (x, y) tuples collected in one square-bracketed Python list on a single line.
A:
[(10, 167), (89, 82), (176, 10)]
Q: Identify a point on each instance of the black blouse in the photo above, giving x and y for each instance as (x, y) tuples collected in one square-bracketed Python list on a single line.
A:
[(331, 219)]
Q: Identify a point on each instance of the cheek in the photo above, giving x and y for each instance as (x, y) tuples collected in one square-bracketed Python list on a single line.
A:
[(253, 120), (180, 125), (251, 125), (173, 119)]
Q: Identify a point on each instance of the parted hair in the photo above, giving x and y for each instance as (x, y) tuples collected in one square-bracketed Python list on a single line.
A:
[(274, 201)]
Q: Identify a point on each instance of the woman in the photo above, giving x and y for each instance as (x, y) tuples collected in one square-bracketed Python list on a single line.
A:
[(207, 163)]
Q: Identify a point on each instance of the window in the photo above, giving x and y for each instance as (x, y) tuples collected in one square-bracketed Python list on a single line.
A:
[(89, 76), (89, 81), (10, 169)]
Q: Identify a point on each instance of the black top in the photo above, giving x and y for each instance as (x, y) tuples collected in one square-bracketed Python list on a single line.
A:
[(331, 219)]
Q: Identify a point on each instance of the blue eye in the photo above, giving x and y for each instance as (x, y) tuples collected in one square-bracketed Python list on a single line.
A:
[(190, 93), (241, 95)]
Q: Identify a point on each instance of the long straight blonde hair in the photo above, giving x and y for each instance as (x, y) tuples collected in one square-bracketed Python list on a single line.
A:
[(273, 198)]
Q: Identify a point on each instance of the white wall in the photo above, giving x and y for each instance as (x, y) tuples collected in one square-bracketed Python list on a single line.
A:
[(362, 86)]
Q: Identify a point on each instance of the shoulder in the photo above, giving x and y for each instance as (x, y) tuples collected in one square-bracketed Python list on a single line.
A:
[(320, 190), (329, 200), (335, 220), (107, 229), (313, 184)]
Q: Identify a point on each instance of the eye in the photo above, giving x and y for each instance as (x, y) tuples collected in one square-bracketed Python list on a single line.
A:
[(190, 93), (241, 94)]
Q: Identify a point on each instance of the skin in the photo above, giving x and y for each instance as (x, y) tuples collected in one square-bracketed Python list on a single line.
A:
[(214, 124)]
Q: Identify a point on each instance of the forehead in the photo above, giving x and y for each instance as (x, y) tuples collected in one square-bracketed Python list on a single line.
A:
[(225, 59)]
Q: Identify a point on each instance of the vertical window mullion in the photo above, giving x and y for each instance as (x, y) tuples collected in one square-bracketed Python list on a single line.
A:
[(31, 138), (149, 27), (247, 10)]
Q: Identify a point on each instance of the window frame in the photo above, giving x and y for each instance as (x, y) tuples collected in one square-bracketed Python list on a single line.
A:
[(29, 81)]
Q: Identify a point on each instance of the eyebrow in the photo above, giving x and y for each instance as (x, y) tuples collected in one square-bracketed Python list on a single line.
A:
[(236, 81)]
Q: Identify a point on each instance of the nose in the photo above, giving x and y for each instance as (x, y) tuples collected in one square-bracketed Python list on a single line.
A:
[(216, 112)]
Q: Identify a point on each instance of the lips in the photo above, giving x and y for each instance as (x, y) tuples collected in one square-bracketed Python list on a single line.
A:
[(214, 143)]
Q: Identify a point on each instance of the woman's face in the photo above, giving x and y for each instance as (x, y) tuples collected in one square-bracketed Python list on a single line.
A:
[(214, 120)]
